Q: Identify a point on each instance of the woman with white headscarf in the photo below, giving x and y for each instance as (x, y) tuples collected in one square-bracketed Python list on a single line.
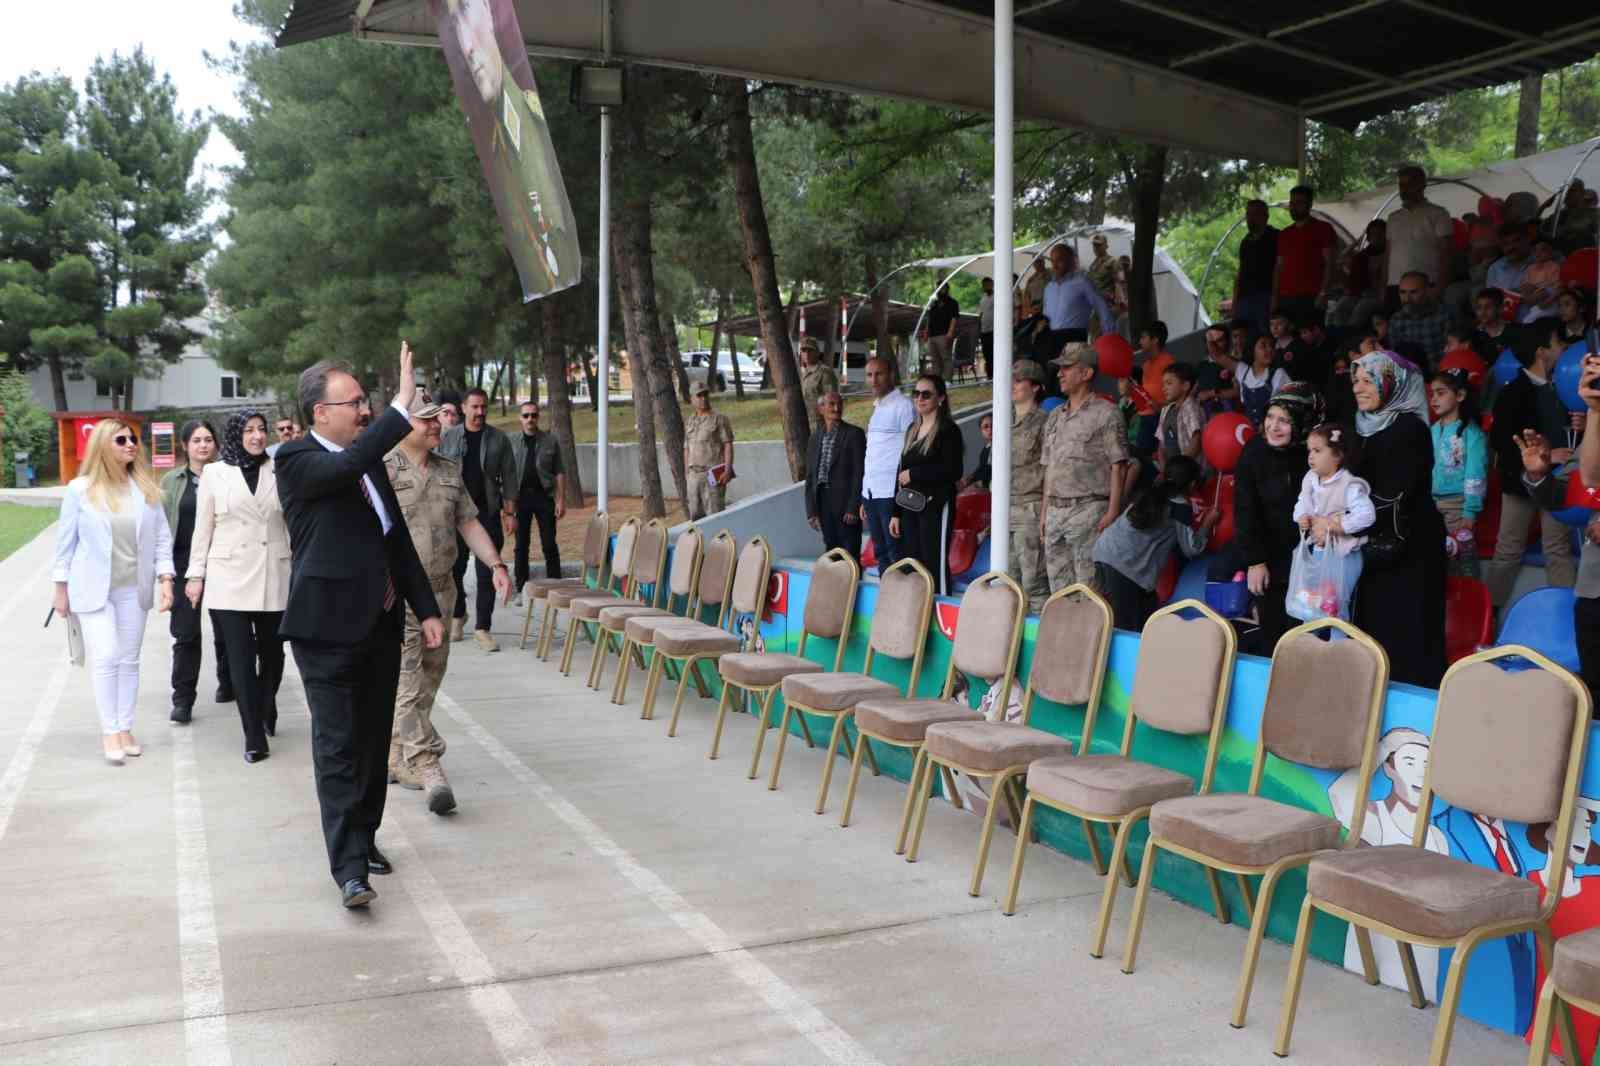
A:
[(1400, 599)]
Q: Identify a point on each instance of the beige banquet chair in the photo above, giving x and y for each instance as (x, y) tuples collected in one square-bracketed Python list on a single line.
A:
[(619, 581), (1573, 981), (1323, 709), (612, 620), (647, 565), (1074, 638), (713, 586), (830, 608), (1180, 686), (1506, 744), (596, 544), (899, 631), (687, 643)]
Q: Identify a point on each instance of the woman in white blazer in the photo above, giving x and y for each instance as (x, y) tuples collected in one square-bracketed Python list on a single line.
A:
[(113, 547), (239, 561)]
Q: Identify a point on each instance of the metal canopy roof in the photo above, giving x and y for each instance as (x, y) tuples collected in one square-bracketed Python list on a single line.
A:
[(1224, 76)]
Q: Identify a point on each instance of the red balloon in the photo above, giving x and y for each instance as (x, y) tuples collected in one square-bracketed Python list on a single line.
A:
[(1224, 438), (1468, 360), (1581, 495), (1215, 492), (1115, 355)]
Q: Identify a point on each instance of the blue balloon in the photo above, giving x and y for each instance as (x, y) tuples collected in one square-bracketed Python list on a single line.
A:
[(1569, 369), (1050, 403), (1504, 370)]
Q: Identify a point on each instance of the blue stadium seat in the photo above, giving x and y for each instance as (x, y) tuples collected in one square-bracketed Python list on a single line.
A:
[(1543, 621)]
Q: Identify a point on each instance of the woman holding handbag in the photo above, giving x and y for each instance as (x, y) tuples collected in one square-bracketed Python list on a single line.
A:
[(930, 465), (239, 562), (1400, 599), (179, 489), (113, 562)]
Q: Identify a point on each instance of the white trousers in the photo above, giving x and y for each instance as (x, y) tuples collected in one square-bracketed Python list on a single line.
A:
[(112, 636)]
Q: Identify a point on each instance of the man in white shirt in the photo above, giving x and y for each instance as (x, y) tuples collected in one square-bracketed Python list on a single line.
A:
[(1419, 235), (892, 415), (986, 326)]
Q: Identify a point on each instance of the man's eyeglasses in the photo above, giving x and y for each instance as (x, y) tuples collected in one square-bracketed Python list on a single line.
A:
[(284, 427), (122, 440), (925, 394), (358, 402), (530, 414)]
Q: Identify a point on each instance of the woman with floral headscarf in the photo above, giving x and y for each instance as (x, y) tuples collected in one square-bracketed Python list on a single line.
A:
[(1400, 599), (239, 561), (1267, 482)]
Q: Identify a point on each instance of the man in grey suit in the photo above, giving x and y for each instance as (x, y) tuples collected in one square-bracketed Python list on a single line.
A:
[(489, 467), (834, 462)]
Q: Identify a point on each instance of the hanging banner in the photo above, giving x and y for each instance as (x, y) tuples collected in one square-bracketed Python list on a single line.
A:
[(494, 82)]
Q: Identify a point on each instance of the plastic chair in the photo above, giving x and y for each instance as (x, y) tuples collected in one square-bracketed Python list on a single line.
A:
[(1581, 268), (1468, 617), (1542, 620)]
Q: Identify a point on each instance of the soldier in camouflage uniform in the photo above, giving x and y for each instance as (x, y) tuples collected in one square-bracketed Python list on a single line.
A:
[(707, 442), (1026, 565), (817, 379), (1085, 447), (433, 497)]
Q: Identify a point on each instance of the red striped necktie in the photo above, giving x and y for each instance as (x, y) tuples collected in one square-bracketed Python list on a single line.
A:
[(389, 594)]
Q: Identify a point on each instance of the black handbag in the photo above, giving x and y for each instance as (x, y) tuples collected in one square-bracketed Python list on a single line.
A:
[(1386, 542), (909, 499)]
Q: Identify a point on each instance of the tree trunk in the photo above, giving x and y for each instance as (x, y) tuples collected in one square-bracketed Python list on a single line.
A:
[(1528, 101), (1097, 207), (127, 394), (884, 343), (632, 253), (716, 340), (764, 275), (1150, 177), (669, 329), (835, 324), (58, 381), (733, 352), (511, 386), (592, 379), (559, 405), (644, 419)]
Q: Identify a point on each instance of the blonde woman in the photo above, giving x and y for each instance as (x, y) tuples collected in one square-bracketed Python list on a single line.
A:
[(239, 562), (113, 561)]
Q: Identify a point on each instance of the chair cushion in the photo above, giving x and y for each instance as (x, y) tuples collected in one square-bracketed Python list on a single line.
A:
[(1420, 891), (694, 638), (642, 628), (993, 746), (761, 669), (834, 692), (1577, 969), (908, 720), (617, 614), (589, 607), (1107, 785), (563, 597), (1243, 830), (539, 587)]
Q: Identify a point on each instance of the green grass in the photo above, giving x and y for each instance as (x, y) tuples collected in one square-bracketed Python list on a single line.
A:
[(19, 524), (753, 419)]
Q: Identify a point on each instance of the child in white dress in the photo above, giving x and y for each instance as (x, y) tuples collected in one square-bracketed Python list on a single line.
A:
[(1333, 509)]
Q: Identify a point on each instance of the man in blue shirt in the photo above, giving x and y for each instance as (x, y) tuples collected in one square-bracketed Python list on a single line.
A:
[(1070, 298)]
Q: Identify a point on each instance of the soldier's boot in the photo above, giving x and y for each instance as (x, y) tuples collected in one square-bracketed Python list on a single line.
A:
[(400, 772), (458, 629), (441, 798)]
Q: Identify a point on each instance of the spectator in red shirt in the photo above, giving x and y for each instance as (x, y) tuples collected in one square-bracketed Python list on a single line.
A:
[(1307, 254)]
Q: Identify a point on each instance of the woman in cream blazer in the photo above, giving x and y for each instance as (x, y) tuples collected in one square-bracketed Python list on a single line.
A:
[(239, 561)]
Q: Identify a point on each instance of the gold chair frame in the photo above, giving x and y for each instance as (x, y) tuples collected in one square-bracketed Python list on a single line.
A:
[(1260, 905), (1551, 1001), (696, 605), (604, 634), (840, 717), (1123, 824), (1005, 783), (1466, 944), (687, 663), (615, 587), (582, 580), (764, 694)]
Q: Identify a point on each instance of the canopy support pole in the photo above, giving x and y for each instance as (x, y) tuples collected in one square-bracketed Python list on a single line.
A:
[(1004, 186), (602, 375)]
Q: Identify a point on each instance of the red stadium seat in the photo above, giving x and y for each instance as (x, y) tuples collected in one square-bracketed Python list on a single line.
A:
[(1167, 580), (869, 554), (1486, 530), (963, 550), (972, 511), (1468, 617), (1581, 268)]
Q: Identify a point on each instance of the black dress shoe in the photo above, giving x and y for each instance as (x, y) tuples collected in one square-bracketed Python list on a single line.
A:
[(271, 726), (224, 694), (377, 862), (256, 756), (357, 893), (181, 715)]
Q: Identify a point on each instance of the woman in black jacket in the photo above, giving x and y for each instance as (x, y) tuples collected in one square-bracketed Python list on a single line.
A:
[(930, 463), (1267, 481)]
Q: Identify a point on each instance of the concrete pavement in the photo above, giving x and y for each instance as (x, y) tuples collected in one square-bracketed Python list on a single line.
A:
[(603, 895)]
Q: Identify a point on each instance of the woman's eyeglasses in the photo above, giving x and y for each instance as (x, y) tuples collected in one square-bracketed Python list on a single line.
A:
[(122, 440), (925, 394)]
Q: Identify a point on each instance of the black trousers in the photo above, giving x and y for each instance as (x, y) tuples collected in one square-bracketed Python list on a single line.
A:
[(350, 689), (1131, 603), (539, 505), (837, 533), (483, 613), (1586, 622), (186, 649), (255, 663), (925, 537)]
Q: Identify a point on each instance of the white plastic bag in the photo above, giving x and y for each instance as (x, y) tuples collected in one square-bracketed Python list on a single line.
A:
[(1321, 582)]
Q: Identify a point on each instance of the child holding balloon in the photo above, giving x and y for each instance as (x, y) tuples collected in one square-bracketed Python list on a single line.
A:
[(1460, 466)]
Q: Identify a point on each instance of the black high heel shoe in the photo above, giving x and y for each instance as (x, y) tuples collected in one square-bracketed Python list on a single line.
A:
[(256, 756)]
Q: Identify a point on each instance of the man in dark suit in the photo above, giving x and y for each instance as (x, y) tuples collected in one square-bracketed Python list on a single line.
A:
[(353, 565), (834, 463)]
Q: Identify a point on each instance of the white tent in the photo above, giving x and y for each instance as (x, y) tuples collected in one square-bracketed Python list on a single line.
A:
[(1177, 299), (1542, 175)]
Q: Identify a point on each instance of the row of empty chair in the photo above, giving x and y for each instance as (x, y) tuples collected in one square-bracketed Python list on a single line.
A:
[(1323, 710)]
